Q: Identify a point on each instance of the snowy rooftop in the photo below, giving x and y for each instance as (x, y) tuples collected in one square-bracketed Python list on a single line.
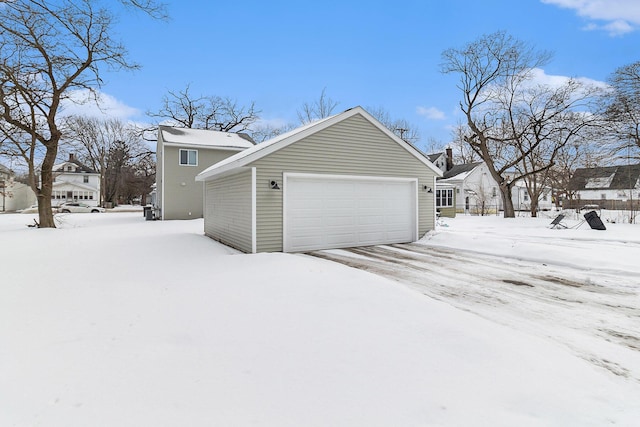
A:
[(210, 138)]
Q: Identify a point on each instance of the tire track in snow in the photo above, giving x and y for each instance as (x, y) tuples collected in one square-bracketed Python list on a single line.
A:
[(588, 312)]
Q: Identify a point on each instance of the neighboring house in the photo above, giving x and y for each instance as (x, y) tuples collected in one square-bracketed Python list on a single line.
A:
[(522, 201), (470, 188), (75, 182), (466, 188), (611, 187), (182, 154), (342, 181), (14, 195)]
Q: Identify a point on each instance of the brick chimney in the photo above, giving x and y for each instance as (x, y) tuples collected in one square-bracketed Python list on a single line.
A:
[(71, 159), (449, 152)]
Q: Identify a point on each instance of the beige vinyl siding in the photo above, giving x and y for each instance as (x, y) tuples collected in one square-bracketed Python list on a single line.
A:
[(351, 147), (228, 205), (182, 193)]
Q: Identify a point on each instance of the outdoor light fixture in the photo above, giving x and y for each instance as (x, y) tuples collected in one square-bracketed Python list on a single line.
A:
[(427, 189), (274, 185)]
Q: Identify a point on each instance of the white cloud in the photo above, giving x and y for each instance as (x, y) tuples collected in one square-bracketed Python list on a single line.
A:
[(430, 113), (100, 104), (621, 16), (539, 76)]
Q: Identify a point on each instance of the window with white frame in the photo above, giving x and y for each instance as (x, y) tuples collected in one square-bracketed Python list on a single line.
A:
[(189, 157), (444, 198), (85, 179)]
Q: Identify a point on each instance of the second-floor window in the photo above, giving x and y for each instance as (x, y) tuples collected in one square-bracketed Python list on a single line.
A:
[(85, 179), (189, 157)]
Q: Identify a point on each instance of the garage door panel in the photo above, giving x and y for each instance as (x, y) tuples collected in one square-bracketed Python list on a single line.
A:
[(327, 212)]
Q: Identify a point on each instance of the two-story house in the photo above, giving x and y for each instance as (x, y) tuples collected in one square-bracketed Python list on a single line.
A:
[(75, 182), (182, 153)]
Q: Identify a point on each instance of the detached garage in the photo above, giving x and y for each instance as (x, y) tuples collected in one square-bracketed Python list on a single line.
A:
[(339, 182)]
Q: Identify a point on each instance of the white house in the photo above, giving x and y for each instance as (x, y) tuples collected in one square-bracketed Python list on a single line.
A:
[(75, 182), (522, 201), (475, 190), (14, 195), (611, 187)]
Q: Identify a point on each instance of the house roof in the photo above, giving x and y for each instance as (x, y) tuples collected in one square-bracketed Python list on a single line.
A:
[(460, 171), (204, 137), (434, 157), (621, 177), (281, 141), (79, 167)]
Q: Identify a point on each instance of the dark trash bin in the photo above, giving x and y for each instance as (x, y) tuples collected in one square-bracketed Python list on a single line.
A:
[(146, 211), (148, 214), (594, 221)]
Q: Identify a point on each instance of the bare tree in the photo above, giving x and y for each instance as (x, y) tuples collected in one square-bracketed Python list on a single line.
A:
[(48, 50), (514, 125), (206, 112), (97, 142), (623, 107), (552, 118), (462, 152), (319, 109), (263, 132), (401, 127)]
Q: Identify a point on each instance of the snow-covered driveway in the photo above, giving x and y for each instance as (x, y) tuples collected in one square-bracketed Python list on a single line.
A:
[(587, 305)]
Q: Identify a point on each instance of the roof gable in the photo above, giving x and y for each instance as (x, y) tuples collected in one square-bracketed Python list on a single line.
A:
[(461, 171), (281, 141), (72, 166)]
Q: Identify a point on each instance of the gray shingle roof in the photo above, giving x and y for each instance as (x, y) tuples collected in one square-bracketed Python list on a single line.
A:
[(622, 177)]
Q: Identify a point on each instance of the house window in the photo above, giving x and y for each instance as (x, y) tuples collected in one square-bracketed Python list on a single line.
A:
[(526, 197), (495, 192), (189, 157), (444, 198), (603, 196), (85, 179)]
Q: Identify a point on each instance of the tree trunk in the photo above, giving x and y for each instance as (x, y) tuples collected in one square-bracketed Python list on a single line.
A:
[(46, 188), (507, 200)]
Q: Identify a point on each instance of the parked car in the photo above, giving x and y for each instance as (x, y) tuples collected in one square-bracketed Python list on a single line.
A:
[(34, 209), (77, 207)]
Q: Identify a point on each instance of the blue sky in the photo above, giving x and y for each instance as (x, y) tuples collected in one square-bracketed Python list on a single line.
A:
[(282, 54)]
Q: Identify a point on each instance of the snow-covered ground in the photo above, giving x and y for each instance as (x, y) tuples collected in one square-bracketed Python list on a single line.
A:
[(111, 320)]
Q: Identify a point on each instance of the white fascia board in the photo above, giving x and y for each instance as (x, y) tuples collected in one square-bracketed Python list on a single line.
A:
[(260, 151), (225, 173), (254, 222)]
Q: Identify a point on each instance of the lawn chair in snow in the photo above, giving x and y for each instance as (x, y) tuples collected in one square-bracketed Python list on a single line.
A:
[(557, 222), (594, 221)]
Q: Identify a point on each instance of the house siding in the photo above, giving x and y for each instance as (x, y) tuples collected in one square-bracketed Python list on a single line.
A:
[(353, 146), (228, 205), (182, 196)]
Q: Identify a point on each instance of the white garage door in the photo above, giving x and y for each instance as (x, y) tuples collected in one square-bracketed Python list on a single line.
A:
[(324, 212)]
